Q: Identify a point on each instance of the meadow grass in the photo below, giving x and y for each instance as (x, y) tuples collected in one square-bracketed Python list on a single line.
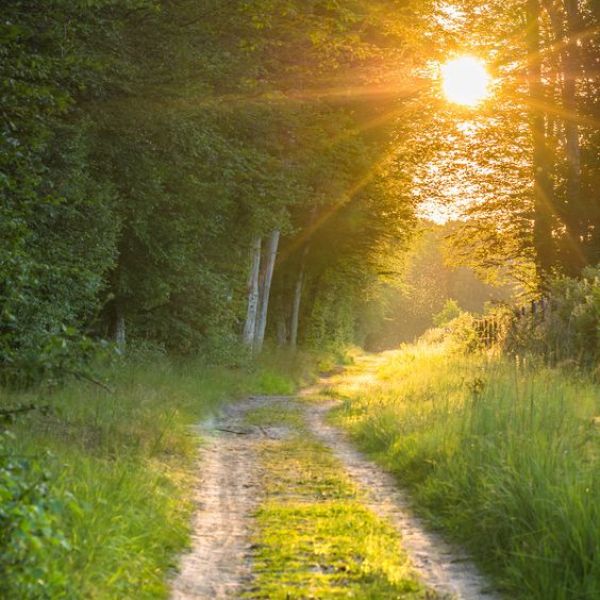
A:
[(503, 454), (122, 466), (314, 536)]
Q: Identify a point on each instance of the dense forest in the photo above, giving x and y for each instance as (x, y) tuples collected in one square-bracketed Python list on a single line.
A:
[(156, 156), (205, 199), (153, 151)]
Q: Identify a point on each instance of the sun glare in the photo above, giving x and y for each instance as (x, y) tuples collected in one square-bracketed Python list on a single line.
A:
[(465, 81)]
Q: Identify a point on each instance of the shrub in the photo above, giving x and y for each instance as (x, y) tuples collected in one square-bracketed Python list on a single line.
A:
[(28, 528), (569, 327), (449, 312)]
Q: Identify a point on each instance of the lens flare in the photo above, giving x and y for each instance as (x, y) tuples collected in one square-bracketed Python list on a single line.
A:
[(465, 81)]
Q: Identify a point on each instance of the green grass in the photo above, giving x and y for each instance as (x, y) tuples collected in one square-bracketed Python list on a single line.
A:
[(314, 536), (124, 464), (503, 455)]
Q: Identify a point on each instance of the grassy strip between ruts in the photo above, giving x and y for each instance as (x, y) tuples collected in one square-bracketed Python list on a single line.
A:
[(121, 469), (504, 455), (314, 536)]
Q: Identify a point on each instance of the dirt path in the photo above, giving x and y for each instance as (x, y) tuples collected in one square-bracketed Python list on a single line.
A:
[(228, 491), (219, 563)]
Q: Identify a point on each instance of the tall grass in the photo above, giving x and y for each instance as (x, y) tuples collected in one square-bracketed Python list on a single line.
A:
[(502, 454), (122, 468)]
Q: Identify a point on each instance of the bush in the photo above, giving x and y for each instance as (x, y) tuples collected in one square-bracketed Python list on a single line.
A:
[(459, 332), (28, 528), (449, 312), (568, 329)]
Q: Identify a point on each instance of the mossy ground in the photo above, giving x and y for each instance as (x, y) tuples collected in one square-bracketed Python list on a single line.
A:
[(314, 536)]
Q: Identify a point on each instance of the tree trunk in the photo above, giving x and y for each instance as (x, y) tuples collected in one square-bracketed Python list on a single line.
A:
[(253, 294), (119, 329), (282, 329), (267, 278), (571, 71), (573, 213), (295, 320), (543, 190), (296, 308)]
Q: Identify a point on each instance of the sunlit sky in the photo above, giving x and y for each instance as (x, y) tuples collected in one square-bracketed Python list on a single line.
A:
[(465, 80)]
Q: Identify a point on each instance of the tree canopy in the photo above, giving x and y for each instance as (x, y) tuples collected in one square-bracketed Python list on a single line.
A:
[(147, 146)]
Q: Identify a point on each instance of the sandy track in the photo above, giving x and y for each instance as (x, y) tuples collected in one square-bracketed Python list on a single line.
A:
[(219, 563)]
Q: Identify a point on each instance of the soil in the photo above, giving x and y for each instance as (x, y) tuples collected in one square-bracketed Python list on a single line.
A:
[(227, 491), (219, 564)]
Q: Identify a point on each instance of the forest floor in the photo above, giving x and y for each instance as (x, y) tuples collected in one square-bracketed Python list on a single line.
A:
[(288, 508)]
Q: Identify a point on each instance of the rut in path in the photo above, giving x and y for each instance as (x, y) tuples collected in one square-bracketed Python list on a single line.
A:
[(219, 563)]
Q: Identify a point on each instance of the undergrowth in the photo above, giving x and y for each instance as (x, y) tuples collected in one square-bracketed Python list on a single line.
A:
[(99, 484), (503, 454)]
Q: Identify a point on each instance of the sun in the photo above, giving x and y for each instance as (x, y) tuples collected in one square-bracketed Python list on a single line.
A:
[(465, 80)]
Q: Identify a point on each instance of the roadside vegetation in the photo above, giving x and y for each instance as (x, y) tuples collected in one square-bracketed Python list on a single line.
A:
[(96, 487), (500, 452)]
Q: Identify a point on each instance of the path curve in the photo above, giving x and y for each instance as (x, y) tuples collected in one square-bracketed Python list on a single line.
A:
[(218, 565)]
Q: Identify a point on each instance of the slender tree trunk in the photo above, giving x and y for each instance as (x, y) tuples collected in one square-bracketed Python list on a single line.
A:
[(573, 212), (543, 189), (253, 294), (571, 72), (295, 320), (296, 308), (119, 328), (282, 329), (271, 256)]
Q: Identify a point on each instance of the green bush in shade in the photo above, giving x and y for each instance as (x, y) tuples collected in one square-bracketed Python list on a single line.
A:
[(29, 527)]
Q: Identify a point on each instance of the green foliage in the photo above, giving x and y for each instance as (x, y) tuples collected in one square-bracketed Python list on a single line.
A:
[(57, 232), (449, 312), (463, 334), (30, 528), (145, 143), (502, 455)]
